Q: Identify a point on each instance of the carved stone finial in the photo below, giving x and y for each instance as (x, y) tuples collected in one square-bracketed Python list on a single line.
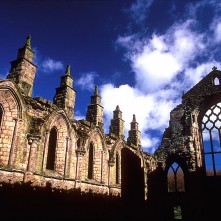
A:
[(68, 70), (96, 90), (28, 41), (214, 68), (134, 118), (117, 108)]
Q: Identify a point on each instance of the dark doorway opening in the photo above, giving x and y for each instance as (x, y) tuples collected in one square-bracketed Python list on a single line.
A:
[(132, 177), (51, 149)]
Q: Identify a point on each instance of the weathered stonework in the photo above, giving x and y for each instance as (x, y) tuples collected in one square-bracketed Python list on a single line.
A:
[(43, 145), (26, 128)]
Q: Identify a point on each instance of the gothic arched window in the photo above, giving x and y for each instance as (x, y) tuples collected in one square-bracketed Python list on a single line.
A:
[(175, 178), (1, 114), (52, 149), (90, 161), (216, 81), (211, 125), (117, 169)]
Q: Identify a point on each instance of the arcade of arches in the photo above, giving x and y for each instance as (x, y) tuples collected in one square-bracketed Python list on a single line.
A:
[(41, 143)]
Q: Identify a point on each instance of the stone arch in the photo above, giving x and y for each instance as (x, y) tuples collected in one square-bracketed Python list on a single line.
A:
[(118, 146), (12, 128), (209, 121), (91, 161), (208, 102), (180, 177), (101, 137), (211, 137), (58, 120), (100, 156), (52, 145), (56, 115), (175, 178), (176, 188), (115, 170), (10, 87)]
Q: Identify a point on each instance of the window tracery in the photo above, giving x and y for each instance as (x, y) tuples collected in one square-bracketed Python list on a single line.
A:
[(211, 125), (175, 178)]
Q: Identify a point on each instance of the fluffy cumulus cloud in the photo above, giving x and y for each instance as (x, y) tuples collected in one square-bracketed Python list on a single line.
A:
[(164, 65), (151, 110), (86, 81), (49, 65), (162, 57)]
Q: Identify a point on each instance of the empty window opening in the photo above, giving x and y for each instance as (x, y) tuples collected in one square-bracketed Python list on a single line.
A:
[(1, 114), (216, 81), (193, 117), (175, 178), (90, 162), (117, 169), (177, 212), (52, 149), (211, 125)]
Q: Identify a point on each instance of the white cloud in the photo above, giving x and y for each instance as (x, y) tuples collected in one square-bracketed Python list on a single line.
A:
[(86, 81), (149, 143), (164, 56), (49, 65), (154, 68), (78, 115), (194, 75), (216, 29), (218, 32), (151, 110), (164, 65)]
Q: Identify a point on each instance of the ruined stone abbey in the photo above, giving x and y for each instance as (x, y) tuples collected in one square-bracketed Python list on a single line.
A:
[(44, 146)]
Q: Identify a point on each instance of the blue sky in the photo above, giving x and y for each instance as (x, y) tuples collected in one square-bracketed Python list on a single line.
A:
[(142, 54)]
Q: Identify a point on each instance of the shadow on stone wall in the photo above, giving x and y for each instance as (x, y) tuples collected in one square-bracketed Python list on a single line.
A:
[(23, 202), (132, 177)]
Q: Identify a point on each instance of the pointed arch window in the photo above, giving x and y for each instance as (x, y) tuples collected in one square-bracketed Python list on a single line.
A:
[(175, 178), (216, 81), (211, 128), (1, 114), (90, 161), (52, 149), (117, 169)]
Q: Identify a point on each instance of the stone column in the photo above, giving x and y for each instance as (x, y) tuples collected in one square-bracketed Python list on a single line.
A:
[(66, 156), (102, 156), (33, 141), (12, 150), (79, 153), (45, 145), (111, 163)]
